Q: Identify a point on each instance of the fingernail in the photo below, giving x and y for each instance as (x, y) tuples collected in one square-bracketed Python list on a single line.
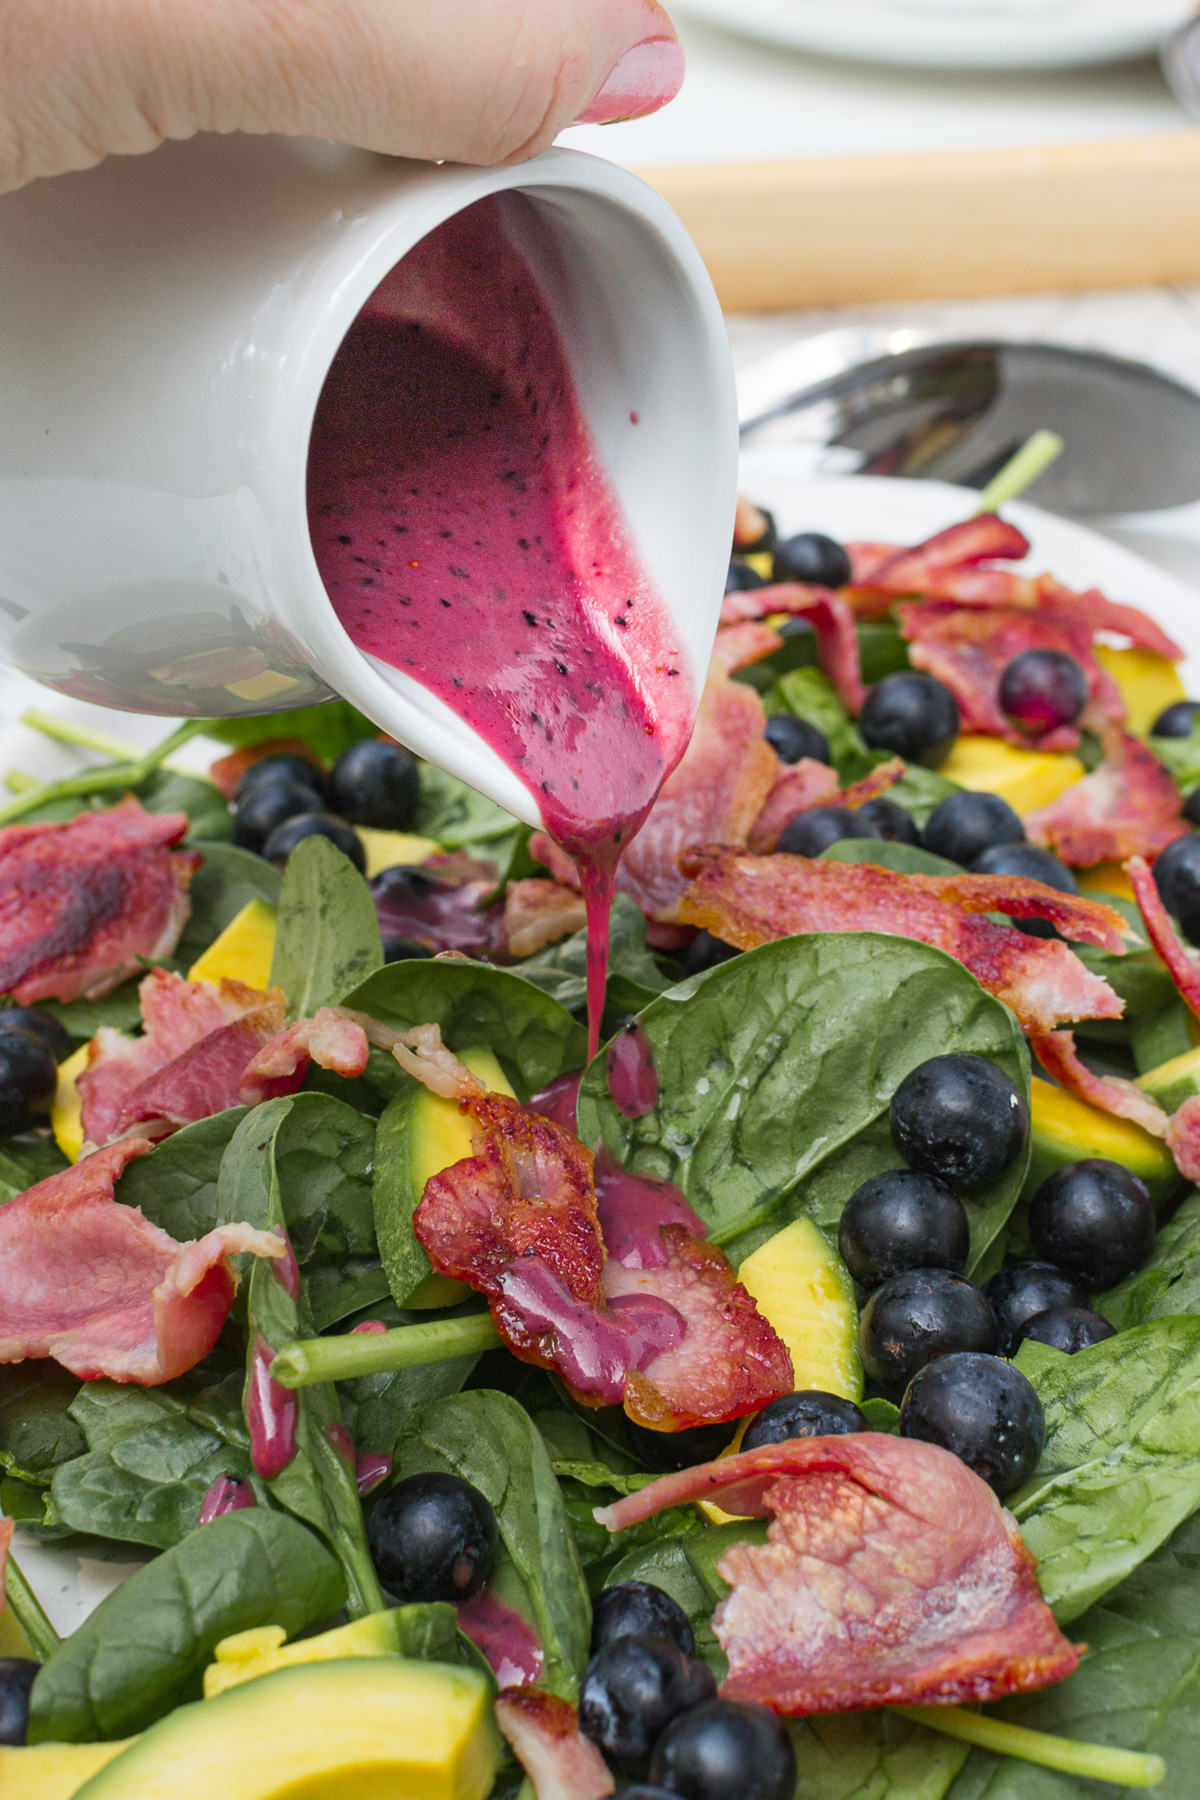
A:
[(645, 78)]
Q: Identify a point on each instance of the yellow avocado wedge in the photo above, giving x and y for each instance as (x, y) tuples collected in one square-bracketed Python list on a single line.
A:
[(389, 849), (53, 1771), (1025, 778), (1173, 1082), (1064, 1129), (66, 1110), (243, 951), (1106, 878), (421, 1134), (1148, 683), (249, 1654), (378, 1728)]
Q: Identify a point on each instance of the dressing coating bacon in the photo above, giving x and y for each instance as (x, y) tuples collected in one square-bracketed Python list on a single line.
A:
[(749, 900), (890, 1576), (1128, 806), (544, 1733), (82, 904), (104, 1292)]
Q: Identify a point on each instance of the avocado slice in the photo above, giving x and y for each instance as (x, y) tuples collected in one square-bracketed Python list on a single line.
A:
[(803, 1288), (374, 1728), (428, 1631), (420, 1134), (1173, 1082), (1065, 1129), (52, 1771)]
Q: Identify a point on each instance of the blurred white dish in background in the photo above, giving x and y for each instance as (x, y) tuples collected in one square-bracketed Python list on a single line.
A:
[(956, 34)]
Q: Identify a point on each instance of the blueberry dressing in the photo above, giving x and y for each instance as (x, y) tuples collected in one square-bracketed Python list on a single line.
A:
[(227, 1494), (503, 1638), (467, 536), (272, 1414), (632, 1076)]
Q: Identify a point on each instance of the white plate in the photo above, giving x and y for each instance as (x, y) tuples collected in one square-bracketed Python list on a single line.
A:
[(844, 507), (956, 34)]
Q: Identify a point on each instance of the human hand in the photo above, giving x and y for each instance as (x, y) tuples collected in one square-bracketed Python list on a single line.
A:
[(474, 81)]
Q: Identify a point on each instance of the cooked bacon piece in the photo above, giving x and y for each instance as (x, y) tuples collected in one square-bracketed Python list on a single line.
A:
[(537, 913), (332, 1039), (1183, 1139), (199, 1038), (737, 645), (1078, 916), (985, 538), (6, 1531), (103, 1291), (969, 648), (1183, 963), (1103, 614), (806, 784), (832, 622), (1129, 806), (866, 557), (1111, 1093), (544, 1733), (749, 900), (890, 1576), (83, 904)]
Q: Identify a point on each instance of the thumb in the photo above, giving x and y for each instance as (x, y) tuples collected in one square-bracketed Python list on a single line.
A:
[(476, 81)]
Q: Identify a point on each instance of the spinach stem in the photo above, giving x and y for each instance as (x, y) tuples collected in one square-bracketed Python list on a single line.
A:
[(122, 775), (63, 731), (1093, 1762), (311, 1360), (1021, 471), (27, 1609)]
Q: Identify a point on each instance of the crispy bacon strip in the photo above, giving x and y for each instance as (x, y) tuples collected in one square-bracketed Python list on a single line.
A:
[(1129, 806), (736, 645), (537, 913), (986, 538), (1111, 1093), (806, 784), (1103, 614), (544, 1733), (890, 1576), (82, 904), (1183, 964), (749, 900), (103, 1291), (1183, 1139), (832, 622), (331, 1038)]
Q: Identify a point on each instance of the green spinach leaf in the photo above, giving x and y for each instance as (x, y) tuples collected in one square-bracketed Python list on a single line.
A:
[(37, 1431), (489, 1440), (169, 790), (633, 974), (455, 814), (327, 938), (1170, 1282), (175, 1185), (1121, 1468), (776, 1071), (335, 1290), (327, 729), (809, 694), (144, 1649), (229, 879), (904, 859), (324, 1155)]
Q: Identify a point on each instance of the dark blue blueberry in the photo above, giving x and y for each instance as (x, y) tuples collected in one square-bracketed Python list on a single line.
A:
[(917, 1316), (268, 806), (889, 821), (1191, 807), (55, 1036), (902, 1220), (741, 578), (28, 1079), (633, 1608), (726, 1750), (375, 783), (432, 1537), (1037, 865), (632, 1689), (1022, 1290), (1067, 1328), (16, 1679), (665, 1451), (809, 1413), (963, 825), (1177, 720), (706, 951), (791, 738), (404, 949), (1177, 877), (983, 1411), (1041, 690), (813, 831), (282, 766), (959, 1117), (285, 837), (913, 716), (811, 557), (1094, 1220)]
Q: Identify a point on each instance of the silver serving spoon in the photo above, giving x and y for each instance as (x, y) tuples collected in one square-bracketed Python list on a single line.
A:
[(887, 402)]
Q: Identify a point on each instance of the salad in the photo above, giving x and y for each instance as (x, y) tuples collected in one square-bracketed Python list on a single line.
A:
[(799, 1397)]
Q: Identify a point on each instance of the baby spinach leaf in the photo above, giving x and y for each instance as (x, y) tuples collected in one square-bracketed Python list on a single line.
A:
[(37, 1432), (327, 936), (919, 790), (229, 879), (776, 1071), (169, 790), (904, 859), (1121, 1467), (175, 1184), (327, 729), (1138, 978), (490, 1441), (379, 1408), (144, 1649), (335, 1290), (633, 974), (121, 1010), (1169, 1284), (318, 1483), (1182, 757), (324, 1152), (30, 1157), (456, 814), (809, 694), (532, 1036)]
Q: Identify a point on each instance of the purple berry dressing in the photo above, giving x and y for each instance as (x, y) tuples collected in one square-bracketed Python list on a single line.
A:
[(467, 535)]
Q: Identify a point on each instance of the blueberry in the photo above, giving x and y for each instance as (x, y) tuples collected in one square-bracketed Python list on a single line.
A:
[(983, 1411), (1036, 865), (913, 716), (726, 1750), (1191, 807), (403, 949), (741, 578), (1022, 1290), (56, 1037), (1177, 720), (285, 837), (635, 1608), (1094, 1220), (632, 1689), (1068, 1328), (810, 1413), (665, 1451), (959, 1117), (1042, 689), (917, 1316), (283, 766), (375, 783), (432, 1537), (812, 558), (963, 825), (267, 806), (791, 738), (1177, 877), (28, 1079), (641, 1790), (16, 1678), (889, 821), (902, 1220), (706, 951), (813, 831)]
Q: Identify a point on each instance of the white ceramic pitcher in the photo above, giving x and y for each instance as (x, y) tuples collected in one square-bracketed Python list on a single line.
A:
[(166, 324)]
